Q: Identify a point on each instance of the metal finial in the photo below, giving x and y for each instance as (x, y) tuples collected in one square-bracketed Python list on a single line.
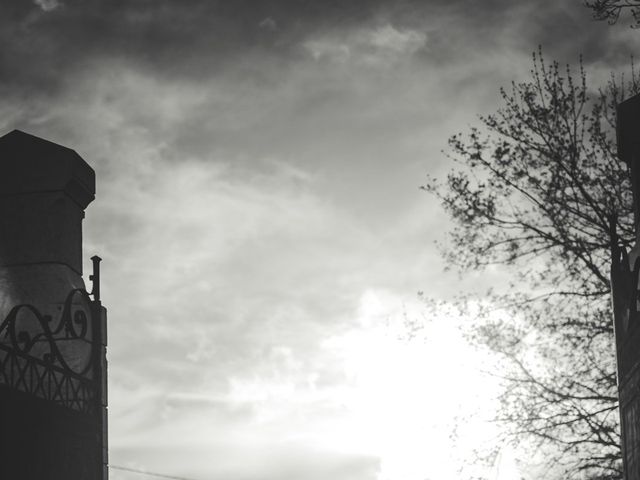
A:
[(95, 278)]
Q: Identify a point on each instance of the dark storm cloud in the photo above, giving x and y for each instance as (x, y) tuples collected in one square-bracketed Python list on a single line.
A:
[(470, 29), (45, 42), (46, 45), (43, 45)]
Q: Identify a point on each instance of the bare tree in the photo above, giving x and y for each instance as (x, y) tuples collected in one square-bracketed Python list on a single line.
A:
[(610, 10), (540, 190)]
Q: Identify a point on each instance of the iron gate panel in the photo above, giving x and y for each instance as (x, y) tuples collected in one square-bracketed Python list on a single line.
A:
[(53, 392)]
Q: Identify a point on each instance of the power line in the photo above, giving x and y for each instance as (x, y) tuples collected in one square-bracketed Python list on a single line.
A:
[(151, 474)]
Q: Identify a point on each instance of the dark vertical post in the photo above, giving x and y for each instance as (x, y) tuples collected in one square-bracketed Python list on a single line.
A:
[(624, 285), (95, 278), (99, 315)]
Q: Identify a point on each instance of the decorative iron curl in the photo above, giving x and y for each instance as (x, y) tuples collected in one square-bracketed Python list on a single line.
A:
[(71, 326)]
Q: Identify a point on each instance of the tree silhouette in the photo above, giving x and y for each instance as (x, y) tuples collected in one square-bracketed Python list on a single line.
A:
[(610, 10), (540, 190)]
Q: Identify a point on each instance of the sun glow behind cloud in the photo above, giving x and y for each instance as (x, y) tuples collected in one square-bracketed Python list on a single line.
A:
[(399, 400), (403, 398)]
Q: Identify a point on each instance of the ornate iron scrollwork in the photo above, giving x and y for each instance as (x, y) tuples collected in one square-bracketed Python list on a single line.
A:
[(53, 361)]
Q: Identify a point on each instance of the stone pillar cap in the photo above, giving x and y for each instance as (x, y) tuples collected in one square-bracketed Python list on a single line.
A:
[(30, 164)]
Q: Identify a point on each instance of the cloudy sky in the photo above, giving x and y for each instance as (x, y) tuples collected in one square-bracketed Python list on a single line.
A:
[(260, 219)]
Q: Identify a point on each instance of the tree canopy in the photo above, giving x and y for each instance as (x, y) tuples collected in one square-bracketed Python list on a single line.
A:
[(539, 189)]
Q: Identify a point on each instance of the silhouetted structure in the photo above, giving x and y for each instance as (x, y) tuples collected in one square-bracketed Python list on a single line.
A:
[(53, 416), (624, 284)]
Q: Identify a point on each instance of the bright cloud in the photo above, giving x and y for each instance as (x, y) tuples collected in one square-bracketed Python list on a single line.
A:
[(379, 46), (48, 5)]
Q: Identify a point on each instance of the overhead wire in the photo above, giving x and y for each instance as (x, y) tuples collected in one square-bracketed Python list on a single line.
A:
[(145, 472)]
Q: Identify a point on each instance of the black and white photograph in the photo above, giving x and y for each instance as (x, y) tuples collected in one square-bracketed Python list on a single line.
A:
[(319, 240)]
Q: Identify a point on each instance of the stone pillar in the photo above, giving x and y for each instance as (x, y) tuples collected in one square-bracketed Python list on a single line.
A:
[(624, 285), (44, 190), (52, 334)]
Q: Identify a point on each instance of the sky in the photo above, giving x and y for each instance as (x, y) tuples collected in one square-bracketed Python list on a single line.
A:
[(259, 215)]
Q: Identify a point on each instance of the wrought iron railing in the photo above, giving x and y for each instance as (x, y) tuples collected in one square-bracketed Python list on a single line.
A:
[(54, 360)]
